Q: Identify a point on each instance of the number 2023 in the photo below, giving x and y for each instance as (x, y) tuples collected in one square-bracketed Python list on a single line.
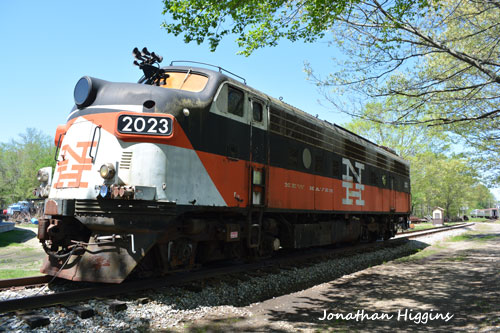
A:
[(146, 125)]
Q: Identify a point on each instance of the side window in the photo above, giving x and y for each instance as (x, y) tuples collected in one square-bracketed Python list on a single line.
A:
[(235, 100), (257, 111)]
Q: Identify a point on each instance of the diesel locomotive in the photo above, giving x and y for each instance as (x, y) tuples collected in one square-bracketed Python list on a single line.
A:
[(191, 165)]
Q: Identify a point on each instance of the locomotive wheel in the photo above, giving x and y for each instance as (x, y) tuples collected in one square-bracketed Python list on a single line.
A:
[(182, 253)]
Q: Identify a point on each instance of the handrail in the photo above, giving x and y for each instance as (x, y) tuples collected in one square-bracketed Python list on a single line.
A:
[(58, 147), (204, 63), (92, 143)]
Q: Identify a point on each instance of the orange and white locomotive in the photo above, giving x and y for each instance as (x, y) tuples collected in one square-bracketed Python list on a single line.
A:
[(190, 165)]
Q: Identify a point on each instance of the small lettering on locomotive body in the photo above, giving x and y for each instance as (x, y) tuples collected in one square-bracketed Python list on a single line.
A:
[(310, 187)]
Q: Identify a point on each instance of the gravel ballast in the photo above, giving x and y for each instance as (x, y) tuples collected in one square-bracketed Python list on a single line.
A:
[(173, 308)]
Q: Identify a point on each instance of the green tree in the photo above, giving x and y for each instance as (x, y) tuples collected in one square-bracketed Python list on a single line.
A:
[(481, 197), (440, 58), (406, 140), (255, 23), (450, 182), (442, 181), (20, 160), (443, 53)]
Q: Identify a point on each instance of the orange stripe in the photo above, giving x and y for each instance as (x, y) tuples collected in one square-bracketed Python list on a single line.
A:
[(108, 122), (290, 189), (229, 176)]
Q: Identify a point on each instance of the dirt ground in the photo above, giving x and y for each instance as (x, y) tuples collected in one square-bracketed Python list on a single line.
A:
[(449, 286)]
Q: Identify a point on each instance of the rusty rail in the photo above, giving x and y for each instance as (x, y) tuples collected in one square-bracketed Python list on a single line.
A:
[(429, 229), (25, 281), (425, 232)]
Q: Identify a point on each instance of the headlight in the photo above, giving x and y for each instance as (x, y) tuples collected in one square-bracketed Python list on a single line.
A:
[(84, 92), (107, 171), (42, 176)]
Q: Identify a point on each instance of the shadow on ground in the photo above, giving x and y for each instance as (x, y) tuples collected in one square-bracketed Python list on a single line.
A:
[(16, 236), (462, 281)]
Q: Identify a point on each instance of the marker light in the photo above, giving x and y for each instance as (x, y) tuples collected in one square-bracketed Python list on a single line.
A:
[(107, 171), (103, 192)]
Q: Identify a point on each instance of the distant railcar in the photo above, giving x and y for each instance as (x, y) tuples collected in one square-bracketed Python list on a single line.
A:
[(488, 213)]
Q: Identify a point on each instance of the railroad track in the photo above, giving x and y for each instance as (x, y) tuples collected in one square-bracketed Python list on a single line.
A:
[(25, 281), (425, 232), (430, 229), (182, 279)]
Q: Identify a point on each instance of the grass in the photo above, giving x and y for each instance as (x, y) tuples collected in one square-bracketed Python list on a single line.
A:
[(457, 258), (30, 225), (421, 254), (14, 273), (477, 237), (480, 219), (480, 236), (17, 257), (429, 225)]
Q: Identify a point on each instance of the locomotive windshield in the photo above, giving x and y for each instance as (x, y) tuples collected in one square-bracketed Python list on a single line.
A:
[(149, 63), (181, 80), (185, 81)]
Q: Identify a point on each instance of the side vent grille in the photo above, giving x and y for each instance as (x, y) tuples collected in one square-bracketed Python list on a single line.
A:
[(126, 160)]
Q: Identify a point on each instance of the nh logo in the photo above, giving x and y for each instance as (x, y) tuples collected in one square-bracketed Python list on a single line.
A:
[(348, 182)]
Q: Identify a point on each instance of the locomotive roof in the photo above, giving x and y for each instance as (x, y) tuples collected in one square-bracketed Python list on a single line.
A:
[(220, 77)]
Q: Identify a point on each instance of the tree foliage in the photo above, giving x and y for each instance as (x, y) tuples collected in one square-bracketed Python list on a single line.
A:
[(258, 23), (255, 23), (438, 178), (406, 140), (440, 59), (441, 63), (20, 160), (481, 197), (442, 53)]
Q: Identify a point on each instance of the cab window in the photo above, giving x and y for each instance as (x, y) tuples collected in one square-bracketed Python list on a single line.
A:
[(235, 100), (188, 81), (257, 111)]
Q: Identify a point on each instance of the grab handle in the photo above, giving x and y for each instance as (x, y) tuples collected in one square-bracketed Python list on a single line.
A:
[(92, 143), (58, 146)]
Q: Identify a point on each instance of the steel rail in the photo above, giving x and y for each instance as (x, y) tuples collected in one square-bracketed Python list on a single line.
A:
[(429, 229), (25, 281), (426, 232)]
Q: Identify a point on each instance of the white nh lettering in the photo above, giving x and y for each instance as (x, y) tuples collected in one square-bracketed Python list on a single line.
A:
[(347, 182)]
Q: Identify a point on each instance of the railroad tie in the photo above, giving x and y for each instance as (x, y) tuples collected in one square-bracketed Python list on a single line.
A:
[(83, 312)]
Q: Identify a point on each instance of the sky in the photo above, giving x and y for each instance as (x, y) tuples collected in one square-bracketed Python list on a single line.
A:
[(46, 46)]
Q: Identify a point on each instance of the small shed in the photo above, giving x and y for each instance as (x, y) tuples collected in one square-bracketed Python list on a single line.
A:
[(437, 216)]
